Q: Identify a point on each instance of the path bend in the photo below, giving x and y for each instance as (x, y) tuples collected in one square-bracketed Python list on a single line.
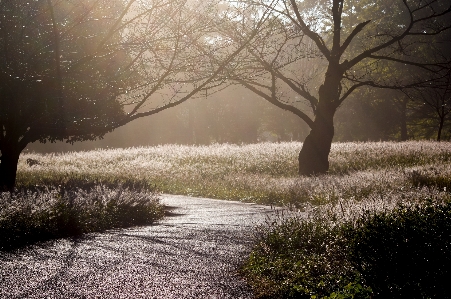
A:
[(194, 253)]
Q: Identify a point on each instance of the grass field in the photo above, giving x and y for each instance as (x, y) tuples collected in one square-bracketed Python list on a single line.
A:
[(360, 173), (399, 192)]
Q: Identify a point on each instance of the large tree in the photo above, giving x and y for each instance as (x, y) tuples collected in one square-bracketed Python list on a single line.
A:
[(311, 55), (75, 70)]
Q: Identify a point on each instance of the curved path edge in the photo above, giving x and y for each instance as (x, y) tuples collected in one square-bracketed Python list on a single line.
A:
[(193, 253)]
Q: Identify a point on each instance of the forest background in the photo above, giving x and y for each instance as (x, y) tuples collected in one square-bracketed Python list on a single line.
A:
[(236, 115)]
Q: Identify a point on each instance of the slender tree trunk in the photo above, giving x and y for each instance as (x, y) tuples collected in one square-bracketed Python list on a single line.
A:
[(403, 121), (8, 168), (440, 128)]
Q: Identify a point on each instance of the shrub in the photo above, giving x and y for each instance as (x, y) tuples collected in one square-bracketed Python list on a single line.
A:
[(29, 216), (404, 253), (298, 258)]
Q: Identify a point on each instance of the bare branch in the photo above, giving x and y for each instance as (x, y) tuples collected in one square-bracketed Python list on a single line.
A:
[(300, 89), (273, 100), (398, 38), (313, 35), (353, 34)]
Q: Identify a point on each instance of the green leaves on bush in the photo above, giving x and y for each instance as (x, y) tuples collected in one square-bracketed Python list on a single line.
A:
[(403, 253), (298, 258)]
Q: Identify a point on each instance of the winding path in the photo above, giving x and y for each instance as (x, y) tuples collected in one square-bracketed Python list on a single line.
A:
[(194, 253)]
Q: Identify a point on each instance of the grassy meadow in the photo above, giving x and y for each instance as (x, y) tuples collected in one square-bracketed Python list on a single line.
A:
[(383, 205), (376, 174)]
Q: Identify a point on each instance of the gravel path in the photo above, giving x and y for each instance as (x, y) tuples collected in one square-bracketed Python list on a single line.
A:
[(192, 254)]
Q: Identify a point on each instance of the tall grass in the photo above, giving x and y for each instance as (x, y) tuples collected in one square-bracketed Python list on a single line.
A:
[(38, 214), (263, 173)]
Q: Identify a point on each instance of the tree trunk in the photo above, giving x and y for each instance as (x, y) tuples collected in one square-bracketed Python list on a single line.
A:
[(403, 120), (8, 169), (314, 155), (440, 128)]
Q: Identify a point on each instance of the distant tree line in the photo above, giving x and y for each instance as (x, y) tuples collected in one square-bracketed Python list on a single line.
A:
[(238, 116)]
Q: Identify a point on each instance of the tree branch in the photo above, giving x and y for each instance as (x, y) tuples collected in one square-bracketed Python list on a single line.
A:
[(395, 39), (301, 90), (202, 86), (337, 10), (351, 36), (425, 66), (314, 36), (273, 100)]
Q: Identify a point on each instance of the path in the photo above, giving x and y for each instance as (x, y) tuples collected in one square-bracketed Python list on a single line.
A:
[(192, 254)]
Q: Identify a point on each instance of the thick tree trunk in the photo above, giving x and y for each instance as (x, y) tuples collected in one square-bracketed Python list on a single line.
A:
[(314, 155), (8, 169)]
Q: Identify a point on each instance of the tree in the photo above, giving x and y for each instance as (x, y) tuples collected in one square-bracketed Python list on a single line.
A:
[(433, 104), (323, 51), (75, 70)]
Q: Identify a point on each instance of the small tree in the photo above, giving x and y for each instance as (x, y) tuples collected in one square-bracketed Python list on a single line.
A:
[(75, 70), (432, 104), (322, 51)]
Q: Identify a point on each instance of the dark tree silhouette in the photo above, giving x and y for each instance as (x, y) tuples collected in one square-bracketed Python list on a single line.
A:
[(75, 70), (324, 50), (432, 104)]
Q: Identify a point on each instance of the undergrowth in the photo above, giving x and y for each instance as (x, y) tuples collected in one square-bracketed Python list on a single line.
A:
[(264, 173), (381, 201), (42, 213), (397, 253)]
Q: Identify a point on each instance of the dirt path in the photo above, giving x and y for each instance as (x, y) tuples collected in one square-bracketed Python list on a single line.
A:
[(192, 254)]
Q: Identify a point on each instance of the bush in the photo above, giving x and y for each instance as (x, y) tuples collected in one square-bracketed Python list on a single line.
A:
[(404, 253), (29, 216), (298, 258)]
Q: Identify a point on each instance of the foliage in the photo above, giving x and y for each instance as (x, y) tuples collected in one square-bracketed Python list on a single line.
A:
[(399, 253), (76, 70), (310, 56), (404, 253), (375, 114), (59, 60), (299, 259), (301, 256), (43, 213)]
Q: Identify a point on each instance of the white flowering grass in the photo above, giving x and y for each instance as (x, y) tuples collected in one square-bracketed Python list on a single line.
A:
[(364, 178), (377, 224), (38, 214), (263, 173)]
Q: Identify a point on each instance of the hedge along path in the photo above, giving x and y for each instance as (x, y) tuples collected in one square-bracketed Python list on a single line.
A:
[(192, 253)]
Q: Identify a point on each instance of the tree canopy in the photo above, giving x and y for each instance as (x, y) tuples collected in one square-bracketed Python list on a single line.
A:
[(75, 70), (310, 56)]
